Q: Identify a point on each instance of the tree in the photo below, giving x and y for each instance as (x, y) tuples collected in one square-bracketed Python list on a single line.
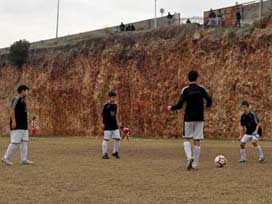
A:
[(19, 51)]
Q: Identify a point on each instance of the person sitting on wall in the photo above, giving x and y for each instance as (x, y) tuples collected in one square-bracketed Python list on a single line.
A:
[(238, 18), (169, 18), (212, 18), (188, 21), (128, 28), (122, 27)]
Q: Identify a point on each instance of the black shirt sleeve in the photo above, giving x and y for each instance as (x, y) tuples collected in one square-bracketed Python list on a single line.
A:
[(256, 119), (180, 102), (207, 98), (14, 103), (242, 121)]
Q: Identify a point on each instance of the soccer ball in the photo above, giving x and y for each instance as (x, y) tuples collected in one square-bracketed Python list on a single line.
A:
[(220, 161)]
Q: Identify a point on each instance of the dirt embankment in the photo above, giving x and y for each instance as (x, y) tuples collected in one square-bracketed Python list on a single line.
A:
[(148, 70)]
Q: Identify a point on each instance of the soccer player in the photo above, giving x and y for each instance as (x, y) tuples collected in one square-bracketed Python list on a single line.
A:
[(126, 132), (111, 129), (18, 126), (33, 127), (193, 95), (250, 129)]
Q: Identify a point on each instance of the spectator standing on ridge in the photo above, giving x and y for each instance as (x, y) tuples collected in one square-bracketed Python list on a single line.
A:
[(122, 27), (169, 18), (219, 17), (212, 18), (238, 18), (132, 27)]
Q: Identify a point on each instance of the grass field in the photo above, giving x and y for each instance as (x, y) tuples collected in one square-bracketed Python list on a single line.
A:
[(70, 170)]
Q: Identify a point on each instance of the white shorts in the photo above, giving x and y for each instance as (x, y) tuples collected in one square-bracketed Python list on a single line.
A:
[(18, 136), (115, 134), (193, 130), (247, 138)]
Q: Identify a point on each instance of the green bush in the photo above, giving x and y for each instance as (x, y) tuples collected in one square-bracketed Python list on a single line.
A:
[(18, 53)]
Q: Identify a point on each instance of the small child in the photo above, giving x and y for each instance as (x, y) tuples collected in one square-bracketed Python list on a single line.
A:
[(250, 129), (125, 132), (33, 128)]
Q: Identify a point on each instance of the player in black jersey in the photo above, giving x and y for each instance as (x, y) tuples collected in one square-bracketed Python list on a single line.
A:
[(111, 129), (18, 126), (193, 95), (250, 129)]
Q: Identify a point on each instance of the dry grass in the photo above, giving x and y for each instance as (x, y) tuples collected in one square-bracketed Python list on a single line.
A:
[(70, 170)]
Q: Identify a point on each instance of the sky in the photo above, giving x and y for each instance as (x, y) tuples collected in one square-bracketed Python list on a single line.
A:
[(35, 20)]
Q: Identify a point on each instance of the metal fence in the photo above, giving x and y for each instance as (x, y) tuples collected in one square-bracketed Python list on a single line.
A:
[(250, 12)]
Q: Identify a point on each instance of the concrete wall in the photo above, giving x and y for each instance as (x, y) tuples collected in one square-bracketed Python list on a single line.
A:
[(70, 39), (250, 12)]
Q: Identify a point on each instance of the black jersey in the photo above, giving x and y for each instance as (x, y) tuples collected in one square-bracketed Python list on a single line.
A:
[(109, 112), (193, 95), (19, 106), (250, 122)]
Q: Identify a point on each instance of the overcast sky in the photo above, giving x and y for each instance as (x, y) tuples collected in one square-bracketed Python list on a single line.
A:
[(35, 20)]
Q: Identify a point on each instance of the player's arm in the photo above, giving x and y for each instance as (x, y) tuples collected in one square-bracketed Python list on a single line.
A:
[(257, 121), (257, 129), (12, 113), (242, 127), (116, 115), (13, 118), (102, 110), (208, 99), (242, 131), (179, 104)]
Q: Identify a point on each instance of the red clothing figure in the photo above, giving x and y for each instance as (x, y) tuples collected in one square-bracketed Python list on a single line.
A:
[(125, 132), (33, 127)]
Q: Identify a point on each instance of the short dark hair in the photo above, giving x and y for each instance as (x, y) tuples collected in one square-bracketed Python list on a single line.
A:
[(245, 103), (112, 94), (192, 76), (34, 117), (22, 88)]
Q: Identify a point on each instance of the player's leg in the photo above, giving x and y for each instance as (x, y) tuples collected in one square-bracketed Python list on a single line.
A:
[(243, 143), (187, 135), (33, 134), (105, 143), (15, 140), (196, 153), (23, 148), (128, 138), (116, 144), (198, 136), (258, 147)]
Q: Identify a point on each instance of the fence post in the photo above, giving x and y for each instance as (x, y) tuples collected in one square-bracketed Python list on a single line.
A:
[(260, 9)]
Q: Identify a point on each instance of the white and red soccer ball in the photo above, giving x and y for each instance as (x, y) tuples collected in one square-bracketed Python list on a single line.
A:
[(220, 161)]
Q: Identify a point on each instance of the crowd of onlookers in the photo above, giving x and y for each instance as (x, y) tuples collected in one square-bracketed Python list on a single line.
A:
[(216, 18), (129, 27)]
